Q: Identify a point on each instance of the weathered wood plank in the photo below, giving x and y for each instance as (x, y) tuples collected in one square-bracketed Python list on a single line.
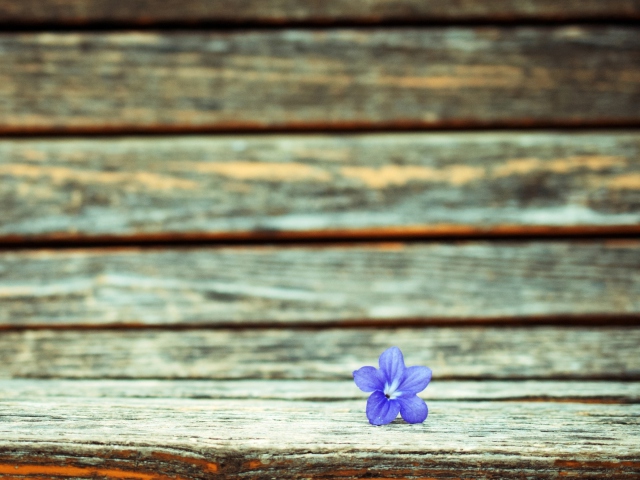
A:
[(146, 12), (177, 438), (319, 185), (452, 353), (430, 283), (316, 390), (332, 79)]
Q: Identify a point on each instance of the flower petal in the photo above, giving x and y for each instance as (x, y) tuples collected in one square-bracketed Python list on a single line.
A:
[(381, 410), (367, 379), (414, 380), (392, 364), (413, 409)]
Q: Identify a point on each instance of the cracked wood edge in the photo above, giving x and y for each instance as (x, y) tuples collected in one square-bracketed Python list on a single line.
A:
[(198, 438), (149, 12), (310, 79), (478, 353), (318, 185), (315, 390), (378, 283)]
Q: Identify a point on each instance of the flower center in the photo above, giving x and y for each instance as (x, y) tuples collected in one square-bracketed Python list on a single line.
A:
[(390, 390)]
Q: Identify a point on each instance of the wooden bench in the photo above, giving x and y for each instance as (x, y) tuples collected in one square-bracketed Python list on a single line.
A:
[(212, 212)]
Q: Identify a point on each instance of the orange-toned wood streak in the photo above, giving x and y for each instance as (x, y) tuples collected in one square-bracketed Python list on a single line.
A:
[(210, 467), (18, 471)]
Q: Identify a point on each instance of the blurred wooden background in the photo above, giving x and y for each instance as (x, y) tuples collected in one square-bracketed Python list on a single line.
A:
[(212, 212)]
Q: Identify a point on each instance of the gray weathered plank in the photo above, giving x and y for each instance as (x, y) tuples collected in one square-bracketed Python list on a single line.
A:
[(145, 12), (178, 438), (452, 353), (430, 283), (318, 390), (333, 79), (319, 185)]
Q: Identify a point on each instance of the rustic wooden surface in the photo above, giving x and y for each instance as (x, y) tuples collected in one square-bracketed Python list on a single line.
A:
[(318, 390), (480, 353), (178, 360), (146, 12), (121, 438), (332, 79), (430, 283), (218, 187)]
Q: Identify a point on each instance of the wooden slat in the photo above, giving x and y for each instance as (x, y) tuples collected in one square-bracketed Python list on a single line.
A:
[(452, 353), (319, 79), (430, 283), (325, 11), (177, 438), (314, 390), (221, 187)]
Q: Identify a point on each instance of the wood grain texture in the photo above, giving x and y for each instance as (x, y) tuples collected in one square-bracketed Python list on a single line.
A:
[(144, 12), (391, 282), (321, 185), (316, 390), (178, 438), (452, 353), (331, 79)]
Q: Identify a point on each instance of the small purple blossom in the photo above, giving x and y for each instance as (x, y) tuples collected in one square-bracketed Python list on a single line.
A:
[(394, 388)]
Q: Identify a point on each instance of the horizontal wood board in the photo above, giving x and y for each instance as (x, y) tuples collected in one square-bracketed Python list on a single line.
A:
[(144, 12), (478, 353), (317, 390), (178, 438), (253, 186), (501, 281), (327, 79)]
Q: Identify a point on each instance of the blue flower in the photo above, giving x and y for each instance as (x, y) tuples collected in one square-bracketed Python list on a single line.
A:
[(394, 388)]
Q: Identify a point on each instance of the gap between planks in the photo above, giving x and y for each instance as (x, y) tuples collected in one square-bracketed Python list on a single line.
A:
[(628, 321), (316, 128), (326, 238), (352, 24)]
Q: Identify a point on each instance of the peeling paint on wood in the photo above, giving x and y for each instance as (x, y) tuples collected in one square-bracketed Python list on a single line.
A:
[(122, 438), (295, 184), (333, 79), (437, 283), (569, 353)]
